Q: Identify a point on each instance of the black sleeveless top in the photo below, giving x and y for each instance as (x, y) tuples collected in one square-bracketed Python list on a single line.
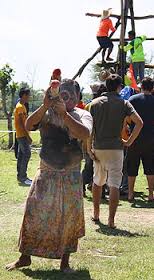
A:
[(58, 149)]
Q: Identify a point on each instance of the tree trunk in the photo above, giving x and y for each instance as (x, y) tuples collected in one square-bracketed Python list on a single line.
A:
[(10, 128)]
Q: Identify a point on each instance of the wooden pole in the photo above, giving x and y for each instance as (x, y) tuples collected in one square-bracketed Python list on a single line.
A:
[(121, 56), (81, 69), (127, 39), (131, 5), (114, 64), (122, 36), (118, 16)]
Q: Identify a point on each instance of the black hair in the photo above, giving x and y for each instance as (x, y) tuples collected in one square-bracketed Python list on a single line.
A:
[(77, 88), (113, 82), (102, 88), (148, 84), (75, 83), (23, 91), (81, 95), (132, 33)]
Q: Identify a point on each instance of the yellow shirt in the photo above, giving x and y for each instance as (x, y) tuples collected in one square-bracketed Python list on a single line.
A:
[(88, 106), (20, 109)]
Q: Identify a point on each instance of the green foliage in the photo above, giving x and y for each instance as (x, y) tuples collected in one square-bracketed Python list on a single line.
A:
[(6, 75), (94, 72), (8, 89), (4, 137)]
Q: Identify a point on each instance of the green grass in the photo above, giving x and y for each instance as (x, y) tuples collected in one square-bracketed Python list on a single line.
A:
[(4, 136), (124, 253)]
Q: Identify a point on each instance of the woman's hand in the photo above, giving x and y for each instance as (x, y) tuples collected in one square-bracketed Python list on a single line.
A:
[(59, 107), (47, 102)]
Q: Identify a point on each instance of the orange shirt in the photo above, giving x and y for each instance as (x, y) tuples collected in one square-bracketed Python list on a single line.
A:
[(105, 26), (20, 109), (125, 131)]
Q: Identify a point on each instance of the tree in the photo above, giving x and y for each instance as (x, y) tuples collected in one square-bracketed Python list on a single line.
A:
[(8, 89)]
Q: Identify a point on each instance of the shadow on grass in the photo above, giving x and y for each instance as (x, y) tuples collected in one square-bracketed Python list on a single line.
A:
[(140, 195), (23, 185), (138, 203), (56, 274), (104, 229), (2, 193)]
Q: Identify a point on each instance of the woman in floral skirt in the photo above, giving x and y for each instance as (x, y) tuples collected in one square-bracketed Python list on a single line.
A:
[(54, 219)]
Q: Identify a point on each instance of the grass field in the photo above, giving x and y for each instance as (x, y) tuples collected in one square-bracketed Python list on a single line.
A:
[(124, 253), (4, 135)]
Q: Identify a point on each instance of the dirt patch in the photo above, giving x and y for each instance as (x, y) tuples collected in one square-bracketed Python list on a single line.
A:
[(138, 217)]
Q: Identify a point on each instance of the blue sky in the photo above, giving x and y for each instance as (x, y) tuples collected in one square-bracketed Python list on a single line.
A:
[(39, 35)]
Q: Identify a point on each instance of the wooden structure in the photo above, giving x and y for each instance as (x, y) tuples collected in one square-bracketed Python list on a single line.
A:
[(120, 65)]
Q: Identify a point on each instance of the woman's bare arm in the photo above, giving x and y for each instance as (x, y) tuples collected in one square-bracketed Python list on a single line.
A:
[(37, 116), (76, 128)]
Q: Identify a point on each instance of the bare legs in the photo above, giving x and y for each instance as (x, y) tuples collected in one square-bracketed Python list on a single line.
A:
[(131, 184), (64, 266), (150, 179), (103, 55), (26, 261), (97, 193), (113, 203), (108, 58), (21, 262)]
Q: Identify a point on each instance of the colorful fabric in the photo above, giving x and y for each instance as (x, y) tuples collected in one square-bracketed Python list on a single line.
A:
[(81, 105), (105, 26), (20, 110), (54, 219), (136, 49), (130, 75), (126, 92)]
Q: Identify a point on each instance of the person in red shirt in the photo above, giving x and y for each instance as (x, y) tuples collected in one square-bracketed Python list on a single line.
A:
[(103, 34), (81, 104)]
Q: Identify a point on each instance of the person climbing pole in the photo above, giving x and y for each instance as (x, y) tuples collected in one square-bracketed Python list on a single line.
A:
[(103, 34), (137, 54)]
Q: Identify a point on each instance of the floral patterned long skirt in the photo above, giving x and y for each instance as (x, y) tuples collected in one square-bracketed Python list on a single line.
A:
[(54, 219)]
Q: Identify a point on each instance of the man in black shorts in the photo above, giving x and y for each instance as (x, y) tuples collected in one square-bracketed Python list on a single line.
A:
[(103, 34), (143, 147)]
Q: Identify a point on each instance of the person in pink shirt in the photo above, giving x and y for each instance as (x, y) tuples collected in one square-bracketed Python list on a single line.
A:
[(103, 34)]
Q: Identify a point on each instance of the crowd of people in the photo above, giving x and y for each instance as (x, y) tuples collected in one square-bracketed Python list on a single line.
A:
[(54, 217), (114, 132)]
